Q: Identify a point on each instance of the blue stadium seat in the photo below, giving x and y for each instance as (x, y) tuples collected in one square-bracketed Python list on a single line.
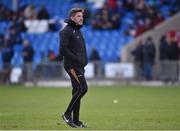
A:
[(36, 59), (56, 8), (108, 43), (4, 26), (165, 11), (18, 48), (1, 62), (17, 60), (7, 3)]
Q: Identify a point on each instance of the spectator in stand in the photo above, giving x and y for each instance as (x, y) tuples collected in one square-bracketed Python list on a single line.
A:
[(52, 56), (7, 54), (139, 28), (152, 12), (129, 5), (2, 12), (163, 48), (94, 56), (149, 53), (105, 23), (138, 59), (18, 20), (96, 21), (13, 38), (1, 49), (28, 55), (113, 5), (28, 52), (115, 21), (146, 16), (86, 15), (173, 50), (21, 26), (43, 13), (30, 12), (159, 18), (18, 24), (140, 9), (5, 13), (148, 24), (106, 18), (131, 30), (173, 57), (144, 56), (54, 25), (1, 41), (143, 26), (163, 57)]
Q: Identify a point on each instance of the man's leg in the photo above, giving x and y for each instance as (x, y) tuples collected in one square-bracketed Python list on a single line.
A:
[(76, 109), (80, 88), (77, 91), (77, 79)]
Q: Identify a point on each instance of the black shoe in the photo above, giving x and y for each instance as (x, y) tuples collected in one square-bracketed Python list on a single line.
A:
[(68, 120), (80, 124)]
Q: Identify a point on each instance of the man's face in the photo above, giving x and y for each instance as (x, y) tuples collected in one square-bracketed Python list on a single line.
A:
[(78, 18)]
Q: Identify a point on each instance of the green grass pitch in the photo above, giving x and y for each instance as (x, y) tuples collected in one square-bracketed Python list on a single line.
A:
[(136, 108)]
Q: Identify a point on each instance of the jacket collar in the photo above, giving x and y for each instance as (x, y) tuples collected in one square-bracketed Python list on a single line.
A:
[(72, 24)]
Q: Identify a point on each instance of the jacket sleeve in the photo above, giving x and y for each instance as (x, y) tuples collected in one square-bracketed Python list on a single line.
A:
[(65, 37)]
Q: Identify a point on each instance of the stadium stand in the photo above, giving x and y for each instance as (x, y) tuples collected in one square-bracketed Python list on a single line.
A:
[(108, 42)]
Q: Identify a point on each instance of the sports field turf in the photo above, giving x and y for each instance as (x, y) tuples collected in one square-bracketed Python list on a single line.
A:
[(137, 108)]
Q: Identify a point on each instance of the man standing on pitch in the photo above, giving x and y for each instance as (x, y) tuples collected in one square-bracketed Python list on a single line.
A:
[(73, 50)]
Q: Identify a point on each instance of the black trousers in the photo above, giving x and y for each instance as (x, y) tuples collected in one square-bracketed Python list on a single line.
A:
[(80, 88)]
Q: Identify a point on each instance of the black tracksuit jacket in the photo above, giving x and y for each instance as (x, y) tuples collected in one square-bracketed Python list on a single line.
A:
[(72, 45)]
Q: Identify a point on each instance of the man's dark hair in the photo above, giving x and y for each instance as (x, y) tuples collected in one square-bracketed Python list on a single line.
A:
[(73, 11)]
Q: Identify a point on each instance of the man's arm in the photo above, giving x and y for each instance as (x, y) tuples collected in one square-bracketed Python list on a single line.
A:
[(64, 41)]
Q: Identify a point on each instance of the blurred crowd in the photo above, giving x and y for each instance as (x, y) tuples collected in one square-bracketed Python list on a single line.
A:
[(144, 55), (147, 15), (144, 15), (23, 13), (107, 17), (169, 54), (11, 38), (102, 15)]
